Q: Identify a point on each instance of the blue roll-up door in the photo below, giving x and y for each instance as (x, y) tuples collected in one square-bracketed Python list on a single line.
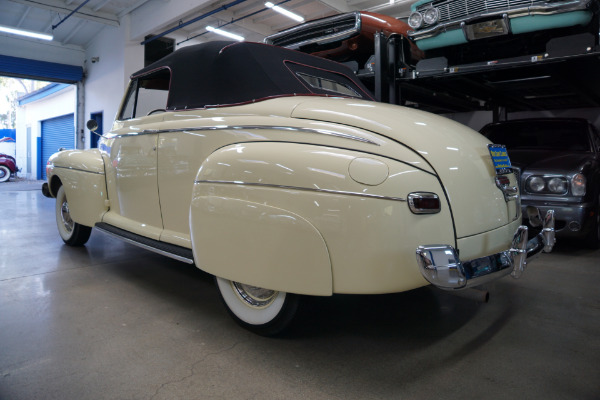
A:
[(57, 133), (33, 69)]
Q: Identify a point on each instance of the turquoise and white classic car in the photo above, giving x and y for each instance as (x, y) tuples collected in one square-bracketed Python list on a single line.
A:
[(443, 23)]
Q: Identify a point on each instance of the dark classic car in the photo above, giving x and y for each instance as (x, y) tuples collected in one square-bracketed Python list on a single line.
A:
[(343, 37), (559, 163), (476, 30), (8, 167)]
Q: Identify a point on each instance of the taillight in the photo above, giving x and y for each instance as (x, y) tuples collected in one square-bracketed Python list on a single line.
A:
[(424, 203), (502, 180)]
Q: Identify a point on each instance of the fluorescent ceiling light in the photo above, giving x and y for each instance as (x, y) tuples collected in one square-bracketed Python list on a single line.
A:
[(285, 12), (21, 32), (225, 33)]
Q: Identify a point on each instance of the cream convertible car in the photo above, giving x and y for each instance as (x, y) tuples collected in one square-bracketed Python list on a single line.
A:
[(276, 172)]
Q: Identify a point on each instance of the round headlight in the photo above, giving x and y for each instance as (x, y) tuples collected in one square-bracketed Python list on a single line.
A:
[(578, 182), (415, 20), (536, 183), (431, 16), (557, 185)]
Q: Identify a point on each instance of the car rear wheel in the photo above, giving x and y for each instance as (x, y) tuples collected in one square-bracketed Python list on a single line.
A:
[(4, 173), (72, 233), (262, 311)]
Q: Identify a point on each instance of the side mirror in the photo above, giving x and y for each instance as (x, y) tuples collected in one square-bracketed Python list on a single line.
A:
[(92, 125)]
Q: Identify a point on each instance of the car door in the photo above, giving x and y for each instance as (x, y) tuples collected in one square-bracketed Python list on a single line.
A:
[(131, 177), (130, 155)]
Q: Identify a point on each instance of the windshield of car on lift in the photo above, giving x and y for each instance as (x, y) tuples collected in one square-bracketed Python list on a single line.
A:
[(547, 135)]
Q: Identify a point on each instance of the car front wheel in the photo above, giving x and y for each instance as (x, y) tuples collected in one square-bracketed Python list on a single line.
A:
[(72, 233), (262, 311), (4, 173)]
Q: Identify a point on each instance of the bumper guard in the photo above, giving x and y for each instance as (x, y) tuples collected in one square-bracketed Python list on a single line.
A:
[(441, 266)]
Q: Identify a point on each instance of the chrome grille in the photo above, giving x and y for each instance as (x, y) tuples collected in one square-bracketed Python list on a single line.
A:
[(459, 9), (312, 31)]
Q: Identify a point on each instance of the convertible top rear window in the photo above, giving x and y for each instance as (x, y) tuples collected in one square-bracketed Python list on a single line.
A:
[(327, 82), (328, 85)]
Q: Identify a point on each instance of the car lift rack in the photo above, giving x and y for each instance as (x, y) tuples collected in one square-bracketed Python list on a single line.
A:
[(565, 76)]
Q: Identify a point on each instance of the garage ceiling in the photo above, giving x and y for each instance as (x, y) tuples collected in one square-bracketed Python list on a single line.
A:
[(91, 16)]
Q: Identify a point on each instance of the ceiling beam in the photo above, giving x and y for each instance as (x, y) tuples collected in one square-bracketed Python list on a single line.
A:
[(132, 8), (100, 5), (73, 32), (340, 6), (61, 8), (247, 23), (23, 16), (271, 13)]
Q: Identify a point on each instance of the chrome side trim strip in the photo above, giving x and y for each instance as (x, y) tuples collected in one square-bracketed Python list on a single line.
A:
[(146, 247), (341, 192), (252, 127), (80, 170)]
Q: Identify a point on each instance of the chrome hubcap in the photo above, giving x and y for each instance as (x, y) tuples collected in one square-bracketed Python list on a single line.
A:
[(2, 173), (66, 216), (255, 296)]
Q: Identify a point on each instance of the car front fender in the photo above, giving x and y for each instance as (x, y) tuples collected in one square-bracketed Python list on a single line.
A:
[(81, 172)]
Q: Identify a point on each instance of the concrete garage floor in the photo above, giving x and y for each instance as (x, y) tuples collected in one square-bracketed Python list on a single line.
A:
[(111, 321)]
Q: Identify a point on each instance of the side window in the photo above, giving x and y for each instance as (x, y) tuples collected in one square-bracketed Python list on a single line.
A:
[(147, 94), (129, 105)]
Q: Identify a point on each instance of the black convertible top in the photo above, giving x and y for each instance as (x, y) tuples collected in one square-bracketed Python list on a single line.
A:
[(220, 73)]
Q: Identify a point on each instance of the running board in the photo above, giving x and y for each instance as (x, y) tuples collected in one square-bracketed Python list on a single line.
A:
[(166, 249)]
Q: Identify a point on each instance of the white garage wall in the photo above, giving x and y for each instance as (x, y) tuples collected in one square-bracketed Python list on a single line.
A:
[(104, 79), (107, 79), (31, 115)]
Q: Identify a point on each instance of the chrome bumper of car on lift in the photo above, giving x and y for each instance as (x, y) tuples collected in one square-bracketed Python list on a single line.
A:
[(441, 266)]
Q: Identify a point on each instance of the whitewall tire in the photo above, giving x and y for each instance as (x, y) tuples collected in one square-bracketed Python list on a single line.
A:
[(72, 233), (4, 173), (263, 311)]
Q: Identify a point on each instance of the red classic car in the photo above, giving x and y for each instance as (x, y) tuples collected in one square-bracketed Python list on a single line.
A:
[(343, 37), (8, 167)]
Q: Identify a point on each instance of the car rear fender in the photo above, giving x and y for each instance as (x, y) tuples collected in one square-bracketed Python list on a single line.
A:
[(289, 217), (81, 172), (234, 236)]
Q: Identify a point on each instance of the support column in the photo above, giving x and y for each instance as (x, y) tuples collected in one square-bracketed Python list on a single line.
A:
[(80, 115)]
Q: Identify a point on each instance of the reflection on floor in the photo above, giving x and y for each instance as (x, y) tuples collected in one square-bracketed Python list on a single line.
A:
[(113, 321)]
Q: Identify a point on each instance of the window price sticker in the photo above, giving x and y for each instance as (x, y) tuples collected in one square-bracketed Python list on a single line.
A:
[(500, 158)]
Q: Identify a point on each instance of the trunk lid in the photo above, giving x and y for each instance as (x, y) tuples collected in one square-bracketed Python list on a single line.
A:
[(458, 154)]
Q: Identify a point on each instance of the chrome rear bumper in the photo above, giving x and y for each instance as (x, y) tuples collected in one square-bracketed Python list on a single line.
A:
[(441, 266)]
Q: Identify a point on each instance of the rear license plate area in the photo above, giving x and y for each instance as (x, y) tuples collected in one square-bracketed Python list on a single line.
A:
[(500, 158), (486, 29)]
